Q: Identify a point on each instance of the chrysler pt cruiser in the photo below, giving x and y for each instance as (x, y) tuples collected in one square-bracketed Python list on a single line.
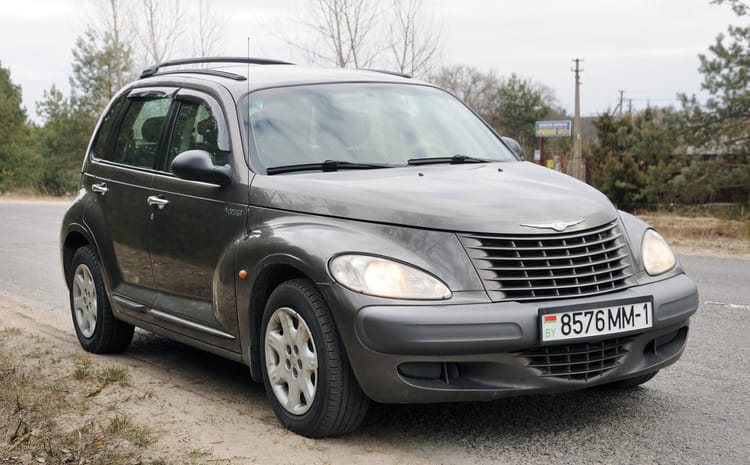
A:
[(356, 236)]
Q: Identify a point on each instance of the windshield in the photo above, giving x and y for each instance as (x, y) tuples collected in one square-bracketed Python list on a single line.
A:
[(365, 123)]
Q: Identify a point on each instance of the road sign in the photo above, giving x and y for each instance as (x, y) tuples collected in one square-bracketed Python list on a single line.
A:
[(560, 128)]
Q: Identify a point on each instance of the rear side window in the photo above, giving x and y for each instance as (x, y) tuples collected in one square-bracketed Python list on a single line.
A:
[(102, 143), (138, 136)]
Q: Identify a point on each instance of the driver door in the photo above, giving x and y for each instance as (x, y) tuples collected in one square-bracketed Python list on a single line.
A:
[(193, 231)]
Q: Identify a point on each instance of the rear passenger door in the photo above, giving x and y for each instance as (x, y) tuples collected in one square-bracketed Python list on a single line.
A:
[(194, 233), (119, 174)]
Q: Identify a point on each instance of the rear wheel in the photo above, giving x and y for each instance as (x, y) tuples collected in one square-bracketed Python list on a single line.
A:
[(305, 370), (97, 328), (630, 383)]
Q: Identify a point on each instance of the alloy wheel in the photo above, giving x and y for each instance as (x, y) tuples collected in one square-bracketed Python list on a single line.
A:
[(84, 300), (291, 361)]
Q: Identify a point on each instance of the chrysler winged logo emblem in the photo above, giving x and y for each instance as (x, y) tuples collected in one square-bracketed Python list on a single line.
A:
[(559, 226)]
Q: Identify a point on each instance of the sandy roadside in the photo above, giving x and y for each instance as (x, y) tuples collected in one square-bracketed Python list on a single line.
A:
[(187, 417)]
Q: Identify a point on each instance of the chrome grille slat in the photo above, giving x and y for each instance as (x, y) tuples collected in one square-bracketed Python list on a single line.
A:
[(498, 296), (562, 247), (569, 256), (561, 267), (552, 266), (561, 277), (560, 236), (559, 286)]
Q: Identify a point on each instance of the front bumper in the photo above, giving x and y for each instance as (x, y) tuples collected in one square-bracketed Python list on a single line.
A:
[(445, 353)]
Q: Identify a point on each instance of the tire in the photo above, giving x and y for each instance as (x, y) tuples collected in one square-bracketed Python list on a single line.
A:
[(97, 328), (306, 372), (630, 383)]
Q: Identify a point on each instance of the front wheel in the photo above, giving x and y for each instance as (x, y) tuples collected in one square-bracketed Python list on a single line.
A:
[(98, 330), (305, 371)]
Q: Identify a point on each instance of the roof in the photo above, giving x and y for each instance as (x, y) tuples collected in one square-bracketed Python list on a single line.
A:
[(239, 77)]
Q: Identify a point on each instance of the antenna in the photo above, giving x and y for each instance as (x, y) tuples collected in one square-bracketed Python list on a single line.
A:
[(247, 110), (247, 139)]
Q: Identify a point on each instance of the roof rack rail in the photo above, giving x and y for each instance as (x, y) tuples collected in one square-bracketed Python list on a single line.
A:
[(209, 72), (393, 73), (194, 61)]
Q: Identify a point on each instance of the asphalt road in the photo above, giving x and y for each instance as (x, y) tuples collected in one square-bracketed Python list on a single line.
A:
[(30, 265), (695, 412)]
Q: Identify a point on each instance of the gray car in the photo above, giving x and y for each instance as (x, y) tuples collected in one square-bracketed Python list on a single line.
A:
[(353, 236)]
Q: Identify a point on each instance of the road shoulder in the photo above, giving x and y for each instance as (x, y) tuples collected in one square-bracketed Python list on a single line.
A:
[(169, 416)]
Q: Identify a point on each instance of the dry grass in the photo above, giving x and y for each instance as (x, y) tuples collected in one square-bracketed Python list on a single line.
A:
[(702, 234), (69, 411)]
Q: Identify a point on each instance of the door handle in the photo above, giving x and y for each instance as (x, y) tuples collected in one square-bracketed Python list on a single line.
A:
[(158, 200), (100, 188)]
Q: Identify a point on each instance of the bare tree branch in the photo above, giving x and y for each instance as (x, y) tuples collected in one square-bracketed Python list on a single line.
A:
[(399, 34), (416, 40), (116, 27), (103, 56), (163, 23), (344, 33), (209, 24), (477, 89)]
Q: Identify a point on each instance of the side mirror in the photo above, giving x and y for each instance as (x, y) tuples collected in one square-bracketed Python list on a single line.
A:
[(197, 165), (514, 146)]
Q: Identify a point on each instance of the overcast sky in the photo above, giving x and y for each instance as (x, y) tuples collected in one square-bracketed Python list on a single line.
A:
[(648, 48)]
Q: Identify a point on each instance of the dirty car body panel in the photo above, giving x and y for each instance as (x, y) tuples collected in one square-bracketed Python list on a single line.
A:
[(525, 280)]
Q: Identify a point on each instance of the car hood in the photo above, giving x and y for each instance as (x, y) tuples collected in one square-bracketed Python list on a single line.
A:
[(486, 197)]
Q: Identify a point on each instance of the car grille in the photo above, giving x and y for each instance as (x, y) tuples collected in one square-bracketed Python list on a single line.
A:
[(578, 361), (551, 266)]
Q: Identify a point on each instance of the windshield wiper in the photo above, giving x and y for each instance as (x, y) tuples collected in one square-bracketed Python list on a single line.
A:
[(328, 165), (454, 160)]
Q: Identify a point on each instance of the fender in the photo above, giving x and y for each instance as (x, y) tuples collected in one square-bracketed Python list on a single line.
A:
[(286, 245)]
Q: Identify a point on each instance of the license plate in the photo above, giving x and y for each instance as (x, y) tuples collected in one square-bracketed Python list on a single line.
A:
[(597, 319)]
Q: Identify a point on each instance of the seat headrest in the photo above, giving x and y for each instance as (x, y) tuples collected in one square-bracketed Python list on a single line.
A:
[(207, 129), (151, 128)]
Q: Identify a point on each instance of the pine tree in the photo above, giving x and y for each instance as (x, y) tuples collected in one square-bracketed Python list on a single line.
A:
[(61, 142), (521, 102), (101, 66), (12, 128), (721, 127)]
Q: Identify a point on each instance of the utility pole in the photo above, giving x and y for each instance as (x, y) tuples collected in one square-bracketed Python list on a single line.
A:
[(620, 105), (577, 168)]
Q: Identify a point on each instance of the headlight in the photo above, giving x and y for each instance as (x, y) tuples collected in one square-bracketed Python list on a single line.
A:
[(385, 278), (656, 253)]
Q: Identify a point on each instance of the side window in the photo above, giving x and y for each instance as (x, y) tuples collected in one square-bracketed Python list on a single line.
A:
[(102, 143), (195, 129), (138, 136)]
